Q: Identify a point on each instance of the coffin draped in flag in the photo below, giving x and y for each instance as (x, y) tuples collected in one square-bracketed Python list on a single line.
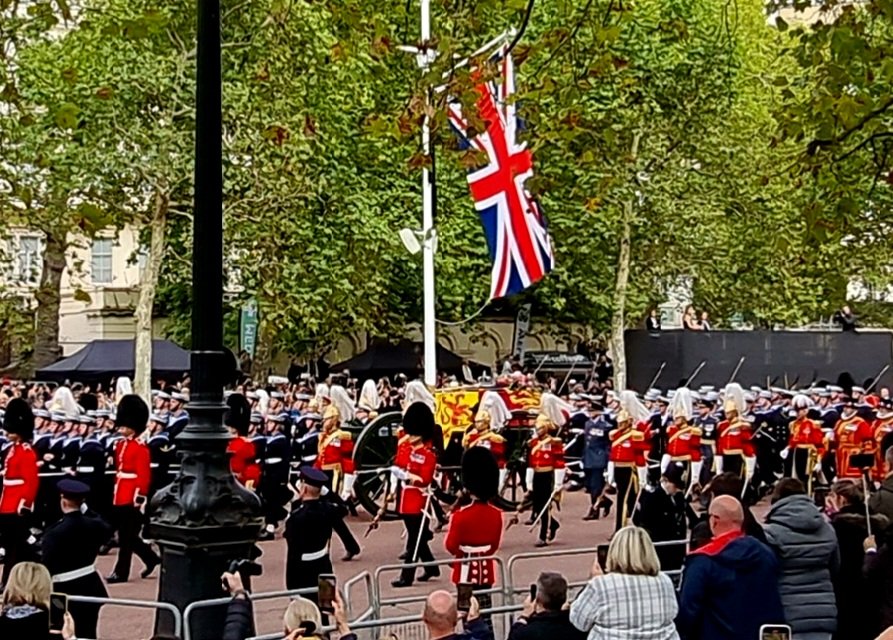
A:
[(519, 243)]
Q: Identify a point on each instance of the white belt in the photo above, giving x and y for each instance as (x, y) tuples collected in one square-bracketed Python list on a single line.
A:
[(468, 549), (308, 458), (124, 475), (316, 555), (273, 460), (68, 576), (85, 469), (13, 482), (153, 465)]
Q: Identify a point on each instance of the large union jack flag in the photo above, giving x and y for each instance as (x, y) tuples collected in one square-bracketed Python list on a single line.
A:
[(519, 243)]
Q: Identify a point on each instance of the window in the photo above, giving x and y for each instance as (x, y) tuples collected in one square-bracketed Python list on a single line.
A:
[(25, 260), (101, 261)]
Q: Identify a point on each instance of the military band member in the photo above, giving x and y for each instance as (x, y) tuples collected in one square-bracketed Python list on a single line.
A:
[(806, 444), (133, 477), (626, 466), (335, 460), (69, 549), (308, 532), (20, 483), (545, 476), (852, 435), (414, 468), (243, 457)]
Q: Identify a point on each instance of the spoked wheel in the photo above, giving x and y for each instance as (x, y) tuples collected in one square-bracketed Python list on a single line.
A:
[(512, 489), (374, 453)]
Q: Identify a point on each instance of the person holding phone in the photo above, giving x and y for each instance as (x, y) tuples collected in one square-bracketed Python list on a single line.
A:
[(20, 484), (25, 606), (133, 477)]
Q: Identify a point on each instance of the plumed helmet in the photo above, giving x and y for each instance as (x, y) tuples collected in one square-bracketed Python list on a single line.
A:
[(483, 416), (132, 413), (238, 413), (542, 420), (801, 401), (19, 419), (623, 417), (331, 412), (480, 473), (418, 420)]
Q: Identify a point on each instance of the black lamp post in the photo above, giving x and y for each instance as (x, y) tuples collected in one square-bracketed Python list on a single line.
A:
[(204, 519)]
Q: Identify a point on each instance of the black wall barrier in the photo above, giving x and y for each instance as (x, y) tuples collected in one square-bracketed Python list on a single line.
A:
[(801, 356)]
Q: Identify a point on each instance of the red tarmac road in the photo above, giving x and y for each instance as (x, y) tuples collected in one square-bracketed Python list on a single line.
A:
[(381, 548)]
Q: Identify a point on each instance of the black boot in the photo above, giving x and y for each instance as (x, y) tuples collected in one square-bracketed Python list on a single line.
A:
[(553, 529), (606, 505)]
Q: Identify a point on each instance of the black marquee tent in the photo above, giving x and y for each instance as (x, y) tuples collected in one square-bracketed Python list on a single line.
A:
[(112, 358), (383, 358)]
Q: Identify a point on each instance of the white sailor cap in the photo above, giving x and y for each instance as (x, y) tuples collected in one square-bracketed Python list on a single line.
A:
[(251, 395), (706, 388), (179, 397), (833, 388), (304, 397), (161, 395), (764, 393), (652, 394), (858, 390)]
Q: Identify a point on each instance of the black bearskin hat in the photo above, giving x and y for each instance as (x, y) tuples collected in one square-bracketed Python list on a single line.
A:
[(133, 413), (419, 421), (480, 473), (19, 419), (88, 402), (238, 414), (846, 382)]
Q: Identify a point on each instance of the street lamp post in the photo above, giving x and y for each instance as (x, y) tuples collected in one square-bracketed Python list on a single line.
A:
[(204, 518)]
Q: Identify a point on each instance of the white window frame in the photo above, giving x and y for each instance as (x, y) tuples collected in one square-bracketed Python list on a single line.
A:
[(102, 274), (25, 259)]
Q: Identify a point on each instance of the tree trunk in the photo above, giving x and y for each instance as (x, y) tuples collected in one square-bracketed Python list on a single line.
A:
[(618, 318), (49, 296), (142, 375)]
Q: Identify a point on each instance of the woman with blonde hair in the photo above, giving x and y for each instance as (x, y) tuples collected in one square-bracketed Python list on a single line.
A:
[(25, 605), (631, 599)]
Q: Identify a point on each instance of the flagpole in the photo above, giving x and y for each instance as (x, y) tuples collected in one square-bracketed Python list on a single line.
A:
[(428, 233)]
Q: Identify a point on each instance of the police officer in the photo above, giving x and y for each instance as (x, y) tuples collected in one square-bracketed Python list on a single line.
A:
[(308, 533), (597, 445), (69, 549)]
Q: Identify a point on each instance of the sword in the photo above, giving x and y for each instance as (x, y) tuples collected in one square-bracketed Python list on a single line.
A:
[(877, 378), (695, 373), (384, 505), (660, 370), (425, 516), (539, 516), (567, 377), (737, 369)]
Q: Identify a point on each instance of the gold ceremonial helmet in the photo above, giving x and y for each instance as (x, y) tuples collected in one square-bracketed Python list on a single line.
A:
[(680, 413), (482, 420), (313, 405), (331, 412), (730, 406), (623, 417), (542, 420)]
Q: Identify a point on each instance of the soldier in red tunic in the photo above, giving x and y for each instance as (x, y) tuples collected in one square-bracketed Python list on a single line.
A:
[(883, 437), (133, 476), (414, 469), (852, 435), (626, 466), (482, 436), (545, 476), (683, 440), (243, 455), (806, 444), (20, 483), (735, 452)]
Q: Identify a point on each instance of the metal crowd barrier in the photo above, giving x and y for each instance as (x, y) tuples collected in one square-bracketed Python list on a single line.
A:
[(141, 604), (370, 610), (189, 612)]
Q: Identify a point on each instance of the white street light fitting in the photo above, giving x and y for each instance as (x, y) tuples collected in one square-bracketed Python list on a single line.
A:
[(414, 239)]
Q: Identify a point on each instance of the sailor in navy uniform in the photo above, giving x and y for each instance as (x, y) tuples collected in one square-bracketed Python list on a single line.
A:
[(71, 447), (91, 463), (257, 437), (69, 549), (308, 533), (162, 452), (306, 445), (178, 417), (274, 481)]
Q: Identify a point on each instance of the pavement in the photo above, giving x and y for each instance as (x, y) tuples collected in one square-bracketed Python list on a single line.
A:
[(381, 548)]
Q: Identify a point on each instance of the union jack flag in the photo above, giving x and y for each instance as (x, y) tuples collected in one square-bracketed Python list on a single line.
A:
[(519, 243)]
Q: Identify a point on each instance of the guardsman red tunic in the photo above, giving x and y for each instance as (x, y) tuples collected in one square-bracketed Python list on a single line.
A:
[(20, 479), (807, 434), (851, 436), (419, 460), (475, 531), (243, 461), (684, 443), (489, 440), (133, 474), (546, 454), (882, 427), (335, 452), (734, 438), (628, 447)]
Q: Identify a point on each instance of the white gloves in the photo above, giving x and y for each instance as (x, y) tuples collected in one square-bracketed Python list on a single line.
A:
[(695, 472), (718, 460), (818, 467), (750, 465), (643, 476), (347, 490), (559, 477), (785, 453), (398, 474), (528, 478), (665, 462), (502, 474), (610, 475)]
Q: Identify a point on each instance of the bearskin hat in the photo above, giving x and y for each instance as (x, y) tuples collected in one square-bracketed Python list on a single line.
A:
[(88, 402), (19, 419), (133, 413), (419, 421), (238, 413), (480, 473)]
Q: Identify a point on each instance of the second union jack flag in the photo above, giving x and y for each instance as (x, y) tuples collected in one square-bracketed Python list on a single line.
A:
[(519, 243)]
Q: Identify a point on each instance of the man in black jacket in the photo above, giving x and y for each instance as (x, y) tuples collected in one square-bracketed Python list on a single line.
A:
[(545, 617)]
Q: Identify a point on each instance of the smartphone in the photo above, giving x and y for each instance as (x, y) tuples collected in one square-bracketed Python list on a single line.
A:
[(601, 552), (327, 593), (775, 632), (58, 607), (463, 596), (533, 592)]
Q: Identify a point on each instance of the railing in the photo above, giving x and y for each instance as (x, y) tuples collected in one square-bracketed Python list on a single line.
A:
[(140, 604), (189, 612)]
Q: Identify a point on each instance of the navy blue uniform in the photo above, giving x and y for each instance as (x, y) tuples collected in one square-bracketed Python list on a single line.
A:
[(597, 446)]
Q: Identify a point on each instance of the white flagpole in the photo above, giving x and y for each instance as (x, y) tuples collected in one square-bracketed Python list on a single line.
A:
[(428, 233)]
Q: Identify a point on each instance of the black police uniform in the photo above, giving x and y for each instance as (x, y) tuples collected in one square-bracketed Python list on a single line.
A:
[(68, 550), (308, 532)]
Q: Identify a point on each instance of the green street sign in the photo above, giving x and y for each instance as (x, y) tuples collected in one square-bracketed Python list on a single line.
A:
[(248, 327)]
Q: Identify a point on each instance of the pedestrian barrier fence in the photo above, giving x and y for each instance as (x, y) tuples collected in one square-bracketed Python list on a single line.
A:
[(190, 610), (141, 604), (366, 578)]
